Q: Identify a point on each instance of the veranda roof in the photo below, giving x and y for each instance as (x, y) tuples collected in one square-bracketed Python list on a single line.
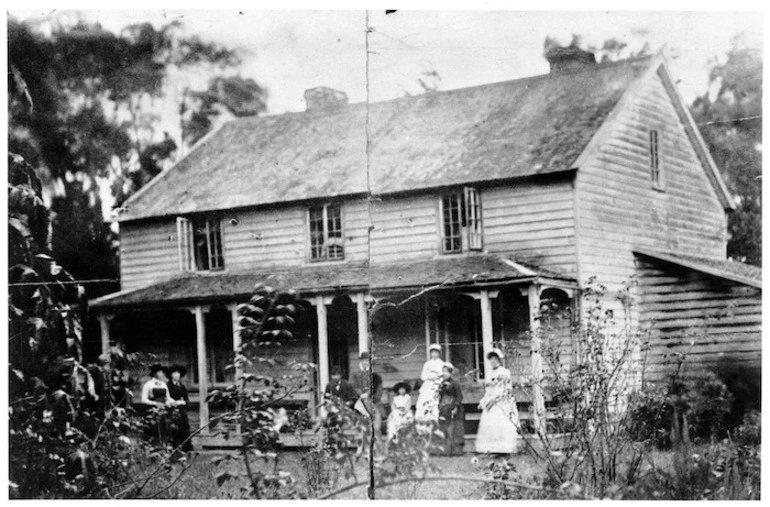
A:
[(458, 272), (740, 272), (526, 127)]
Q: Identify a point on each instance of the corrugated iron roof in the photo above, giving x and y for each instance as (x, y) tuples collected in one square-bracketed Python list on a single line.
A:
[(731, 270), (328, 278), (526, 127)]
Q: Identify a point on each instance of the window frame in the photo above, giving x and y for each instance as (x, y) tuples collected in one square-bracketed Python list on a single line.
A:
[(186, 238), (466, 227), (655, 166), (328, 241)]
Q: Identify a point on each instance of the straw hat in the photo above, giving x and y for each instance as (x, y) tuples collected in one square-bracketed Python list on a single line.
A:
[(496, 352)]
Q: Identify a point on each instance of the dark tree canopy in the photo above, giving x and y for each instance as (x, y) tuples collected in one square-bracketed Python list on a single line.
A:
[(731, 124), (83, 111)]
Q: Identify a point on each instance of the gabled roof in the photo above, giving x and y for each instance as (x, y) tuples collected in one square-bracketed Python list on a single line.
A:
[(454, 272), (740, 272), (513, 129)]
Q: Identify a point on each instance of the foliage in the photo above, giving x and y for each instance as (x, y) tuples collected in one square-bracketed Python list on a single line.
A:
[(693, 407), (587, 445), (83, 109), (505, 470), (750, 430), (67, 436), (235, 95), (731, 123), (265, 321), (745, 385), (611, 49), (721, 471)]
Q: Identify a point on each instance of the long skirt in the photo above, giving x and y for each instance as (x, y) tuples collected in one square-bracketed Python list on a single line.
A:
[(426, 408), (181, 430), (398, 420), (497, 430), (453, 428)]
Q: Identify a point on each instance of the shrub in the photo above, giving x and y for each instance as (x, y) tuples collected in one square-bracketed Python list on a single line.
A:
[(745, 386), (695, 407), (721, 471), (750, 430)]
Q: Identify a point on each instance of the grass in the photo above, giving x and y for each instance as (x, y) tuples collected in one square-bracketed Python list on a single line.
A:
[(199, 481)]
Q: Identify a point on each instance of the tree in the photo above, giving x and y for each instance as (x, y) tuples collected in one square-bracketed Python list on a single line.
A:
[(94, 120), (731, 124), (233, 95), (611, 49)]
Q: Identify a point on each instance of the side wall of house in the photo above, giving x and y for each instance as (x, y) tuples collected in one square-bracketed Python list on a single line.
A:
[(617, 206), (715, 323)]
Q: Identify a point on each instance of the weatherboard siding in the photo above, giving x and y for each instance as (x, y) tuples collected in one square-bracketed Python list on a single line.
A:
[(148, 253), (404, 229), (617, 206), (532, 222), (273, 238), (714, 322)]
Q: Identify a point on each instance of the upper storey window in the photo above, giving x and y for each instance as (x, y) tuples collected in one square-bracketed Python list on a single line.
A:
[(326, 241), (461, 221), (200, 244), (655, 175)]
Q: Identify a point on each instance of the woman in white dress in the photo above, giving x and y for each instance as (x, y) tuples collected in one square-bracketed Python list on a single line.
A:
[(499, 423), (400, 410), (426, 408)]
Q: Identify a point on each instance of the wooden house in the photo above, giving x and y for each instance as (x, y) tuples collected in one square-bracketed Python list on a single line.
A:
[(463, 208)]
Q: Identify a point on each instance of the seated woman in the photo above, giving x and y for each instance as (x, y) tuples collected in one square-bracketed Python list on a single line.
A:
[(427, 401), (155, 395), (400, 410), (155, 391)]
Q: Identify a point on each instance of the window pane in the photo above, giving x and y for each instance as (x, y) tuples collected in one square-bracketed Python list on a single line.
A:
[(654, 157), (334, 219), (452, 227), (215, 245), (316, 233), (200, 245)]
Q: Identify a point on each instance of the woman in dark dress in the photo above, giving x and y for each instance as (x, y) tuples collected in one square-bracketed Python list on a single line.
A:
[(178, 392), (451, 412), (155, 397)]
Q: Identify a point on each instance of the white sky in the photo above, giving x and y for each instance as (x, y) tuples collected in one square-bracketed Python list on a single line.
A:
[(290, 51)]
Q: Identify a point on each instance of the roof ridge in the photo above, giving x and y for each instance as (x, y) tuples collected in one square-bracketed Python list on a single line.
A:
[(330, 112)]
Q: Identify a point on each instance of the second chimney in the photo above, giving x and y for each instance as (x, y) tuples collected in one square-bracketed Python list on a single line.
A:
[(324, 98), (569, 59)]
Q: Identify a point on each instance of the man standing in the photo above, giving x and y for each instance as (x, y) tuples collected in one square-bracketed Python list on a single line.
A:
[(368, 386), (340, 389)]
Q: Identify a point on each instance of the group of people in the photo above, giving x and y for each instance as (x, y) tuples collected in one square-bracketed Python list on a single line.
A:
[(164, 392), (439, 403), (440, 400)]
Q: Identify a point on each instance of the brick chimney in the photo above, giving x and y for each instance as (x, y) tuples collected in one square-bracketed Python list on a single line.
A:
[(569, 59), (324, 98)]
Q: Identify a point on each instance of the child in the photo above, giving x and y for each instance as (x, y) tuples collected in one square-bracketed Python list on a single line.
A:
[(400, 410), (451, 413)]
